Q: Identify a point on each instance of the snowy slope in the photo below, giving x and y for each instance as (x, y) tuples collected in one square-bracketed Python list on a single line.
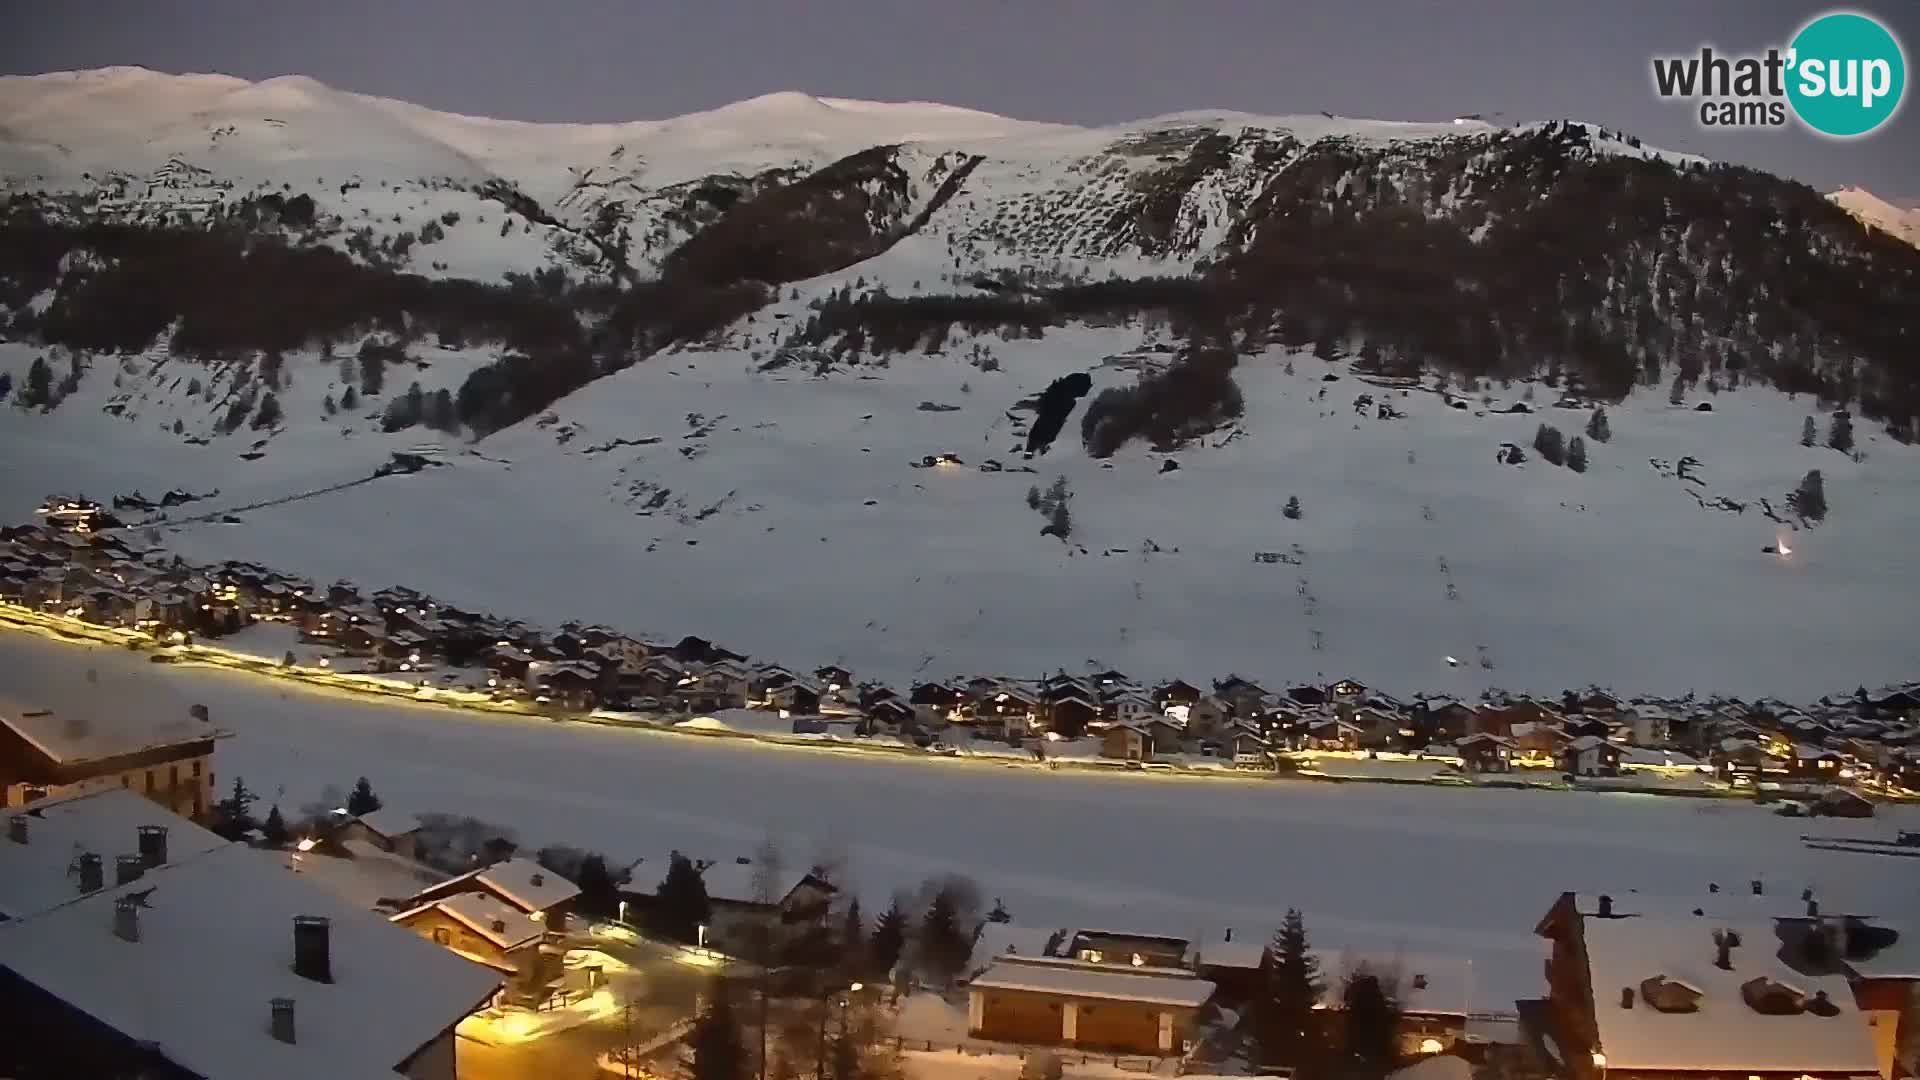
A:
[(781, 513), (134, 143), (638, 500), (1879, 213)]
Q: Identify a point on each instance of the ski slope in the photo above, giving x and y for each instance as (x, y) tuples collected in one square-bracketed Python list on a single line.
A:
[(780, 512)]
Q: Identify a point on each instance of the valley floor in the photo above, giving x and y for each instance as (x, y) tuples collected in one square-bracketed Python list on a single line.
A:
[(1381, 867)]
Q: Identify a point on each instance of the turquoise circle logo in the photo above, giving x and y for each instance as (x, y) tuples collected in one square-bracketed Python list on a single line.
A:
[(1848, 74)]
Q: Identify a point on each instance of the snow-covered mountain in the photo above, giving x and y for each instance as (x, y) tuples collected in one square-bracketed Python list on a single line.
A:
[(734, 341), (1879, 213)]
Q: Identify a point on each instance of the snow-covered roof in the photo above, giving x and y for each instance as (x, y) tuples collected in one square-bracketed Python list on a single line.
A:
[(389, 822), (1587, 742), (500, 923), (42, 874), (217, 934), (102, 723), (523, 882), (1724, 1034), (735, 881), (1069, 979)]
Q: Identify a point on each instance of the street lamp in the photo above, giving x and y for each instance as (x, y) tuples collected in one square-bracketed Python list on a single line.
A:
[(703, 936)]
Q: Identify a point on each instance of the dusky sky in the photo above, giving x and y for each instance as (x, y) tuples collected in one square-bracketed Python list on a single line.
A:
[(1074, 61)]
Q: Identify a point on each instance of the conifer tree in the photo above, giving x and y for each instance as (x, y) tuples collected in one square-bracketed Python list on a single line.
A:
[(1286, 1027), (681, 907)]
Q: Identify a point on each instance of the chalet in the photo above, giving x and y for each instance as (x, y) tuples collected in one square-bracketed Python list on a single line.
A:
[(1738, 757), (111, 742), (693, 650), (834, 678), (1308, 696), (1538, 742), (389, 830), (795, 697), (1486, 753), (713, 687), (481, 928), (1347, 690), (1208, 715), (1071, 715), (1379, 729), (1647, 724), (1177, 692), (768, 677), (890, 713), (1815, 763), (1127, 742), (933, 703), (1242, 695), (508, 662), (1441, 719), (127, 979), (743, 897), (1131, 707), (1247, 745), (1678, 997), (1590, 755), (1008, 707), (528, 888), (1330, 733), (1143, 1010), (1598, 703), (568, 684)]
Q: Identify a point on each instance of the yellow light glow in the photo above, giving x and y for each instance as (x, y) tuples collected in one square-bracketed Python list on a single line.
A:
[(1429, 1046), (1599, 1060), (306, 844)]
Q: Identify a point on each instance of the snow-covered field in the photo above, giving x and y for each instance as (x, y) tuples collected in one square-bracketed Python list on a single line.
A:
[(790, 523), (1373, 866)]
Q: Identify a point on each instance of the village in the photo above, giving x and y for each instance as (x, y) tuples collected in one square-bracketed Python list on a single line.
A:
[(1836, 756), (78, 568), (363, 940)]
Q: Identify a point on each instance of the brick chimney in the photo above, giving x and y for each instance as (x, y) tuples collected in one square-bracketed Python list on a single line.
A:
[(153, 845), (126, 918), (127, 868), (17, 828), (91, 874), (1606, 907), (282, 1024), (313, 948)]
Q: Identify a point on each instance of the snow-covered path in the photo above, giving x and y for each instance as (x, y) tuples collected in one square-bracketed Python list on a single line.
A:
[(1373, 866)]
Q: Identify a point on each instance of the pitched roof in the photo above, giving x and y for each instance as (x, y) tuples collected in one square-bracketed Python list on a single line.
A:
[(217, 934), (526, 883), (1725, 1033), (1073, 979), (505, 926), (389, 822), (735, 882), (108, 720), (38, 875)]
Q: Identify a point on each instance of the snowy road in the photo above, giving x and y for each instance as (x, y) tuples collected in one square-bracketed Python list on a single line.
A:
[(1424, 869)]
